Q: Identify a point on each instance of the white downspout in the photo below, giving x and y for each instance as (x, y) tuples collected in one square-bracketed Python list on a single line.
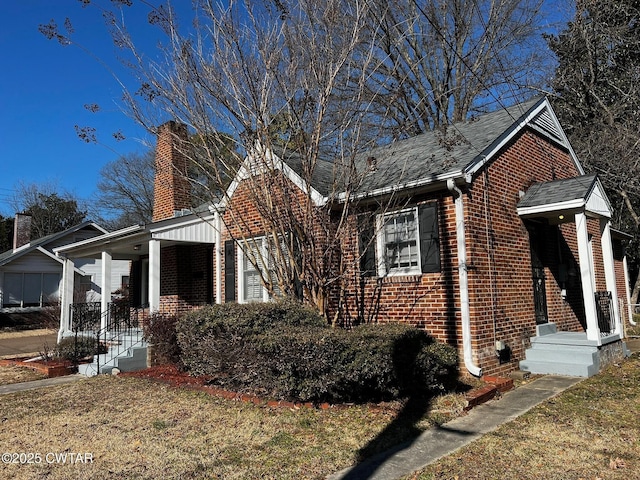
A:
[(464, 280)]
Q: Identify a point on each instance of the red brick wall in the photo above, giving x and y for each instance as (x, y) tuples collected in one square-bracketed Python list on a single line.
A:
[(253, 209), (172, 190), (618, 257), (500, 280), (499, 262), (187, 278)]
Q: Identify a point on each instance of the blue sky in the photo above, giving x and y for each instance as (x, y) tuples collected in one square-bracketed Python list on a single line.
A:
[(43, 90)]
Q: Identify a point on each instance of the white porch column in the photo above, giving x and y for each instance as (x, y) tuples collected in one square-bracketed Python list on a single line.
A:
[(154, 275), (586, 274), (609, 271), (66, 297), (218, 256), (105, 288)]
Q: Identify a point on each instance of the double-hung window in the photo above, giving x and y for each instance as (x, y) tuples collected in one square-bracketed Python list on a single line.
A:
[(407, 242), (399, 243), (254, 263)]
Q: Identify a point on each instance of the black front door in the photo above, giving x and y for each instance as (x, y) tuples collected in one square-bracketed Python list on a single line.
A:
[(540, 295), (536, 236)]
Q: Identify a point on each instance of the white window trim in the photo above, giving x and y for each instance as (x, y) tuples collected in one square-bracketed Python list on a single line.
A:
[(381, 250), (240, 270)]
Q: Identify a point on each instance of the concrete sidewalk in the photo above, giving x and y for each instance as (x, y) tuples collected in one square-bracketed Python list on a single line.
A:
[(440, 441)]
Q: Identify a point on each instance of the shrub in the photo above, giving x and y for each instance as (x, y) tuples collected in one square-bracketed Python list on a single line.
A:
[(160, 332), (368, 363), (75, 349), (283, 350), (217, 339)]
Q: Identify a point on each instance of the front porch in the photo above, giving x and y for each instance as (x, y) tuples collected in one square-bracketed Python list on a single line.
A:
[(116, 330), (571, 353)]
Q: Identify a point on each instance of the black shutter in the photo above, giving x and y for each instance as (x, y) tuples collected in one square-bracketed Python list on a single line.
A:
[(367, 246), (429, 238), (229, 271), (135, 284)]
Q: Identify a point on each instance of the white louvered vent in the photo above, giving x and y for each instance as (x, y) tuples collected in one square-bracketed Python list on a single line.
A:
[(546, 124)]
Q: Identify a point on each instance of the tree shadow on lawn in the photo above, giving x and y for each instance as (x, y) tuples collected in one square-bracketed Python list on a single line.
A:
[(402, 431), (398, 435)]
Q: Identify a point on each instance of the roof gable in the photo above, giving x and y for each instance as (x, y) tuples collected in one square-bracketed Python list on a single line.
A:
[(571, 194), (49, 242)]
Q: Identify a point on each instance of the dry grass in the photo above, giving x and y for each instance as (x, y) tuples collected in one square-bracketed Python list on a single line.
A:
[(134, 428), (590, 431), (632, 331), (9, 375)]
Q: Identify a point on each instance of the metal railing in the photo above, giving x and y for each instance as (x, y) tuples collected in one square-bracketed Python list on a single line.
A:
[(604, 309), (121, 330)]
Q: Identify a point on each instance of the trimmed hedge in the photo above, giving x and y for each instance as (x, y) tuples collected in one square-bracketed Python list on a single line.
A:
[(287, 351), (160, 331)]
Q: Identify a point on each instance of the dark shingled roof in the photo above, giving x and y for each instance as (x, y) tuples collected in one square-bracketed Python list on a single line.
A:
[(438, 153), (421, 159), (8, 256), (557, 191)]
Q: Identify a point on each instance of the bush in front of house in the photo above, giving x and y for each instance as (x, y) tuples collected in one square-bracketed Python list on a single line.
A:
[(367, 363), (160, 331), (286, 351), (219, 340), (77, 348)]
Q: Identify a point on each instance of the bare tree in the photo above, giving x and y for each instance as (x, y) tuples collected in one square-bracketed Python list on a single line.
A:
[(126, 189), (438, 60), (598, 99), (267, 74), (309, 85)]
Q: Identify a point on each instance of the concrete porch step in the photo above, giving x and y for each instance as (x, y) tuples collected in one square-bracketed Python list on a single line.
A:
[(125, 354), (562, 354), (571, 369)]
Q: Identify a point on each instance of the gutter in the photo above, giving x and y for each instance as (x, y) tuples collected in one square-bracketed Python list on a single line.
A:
[(464, 280)]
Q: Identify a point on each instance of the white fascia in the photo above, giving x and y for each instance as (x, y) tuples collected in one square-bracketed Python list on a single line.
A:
[(65, 249), (342, 197), (578, 204)]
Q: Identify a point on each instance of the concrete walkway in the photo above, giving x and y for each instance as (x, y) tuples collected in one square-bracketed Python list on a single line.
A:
[(440, 441)]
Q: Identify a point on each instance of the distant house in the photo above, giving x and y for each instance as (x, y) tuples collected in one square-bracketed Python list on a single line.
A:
[(30, 273), (500, 245)]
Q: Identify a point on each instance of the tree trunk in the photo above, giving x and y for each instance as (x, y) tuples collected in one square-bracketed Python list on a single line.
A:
[(636, 291)]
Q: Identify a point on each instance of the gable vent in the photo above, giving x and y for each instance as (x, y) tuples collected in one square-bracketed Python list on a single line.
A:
[(545, 123)]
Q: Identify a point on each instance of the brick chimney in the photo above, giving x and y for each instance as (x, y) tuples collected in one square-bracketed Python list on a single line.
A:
[(21, 230), (172, 190)]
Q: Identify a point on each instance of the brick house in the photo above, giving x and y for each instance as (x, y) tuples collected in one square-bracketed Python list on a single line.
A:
[(496, 242)]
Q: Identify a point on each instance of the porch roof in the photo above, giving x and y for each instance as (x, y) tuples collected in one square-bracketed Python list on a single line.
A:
[(566, 196), (131, 242)]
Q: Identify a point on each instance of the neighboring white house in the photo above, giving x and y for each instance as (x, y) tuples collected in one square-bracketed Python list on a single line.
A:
[(31, 274)]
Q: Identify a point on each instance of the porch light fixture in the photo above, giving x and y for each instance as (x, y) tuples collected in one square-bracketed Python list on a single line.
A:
[(136, 247), (561, 217)]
